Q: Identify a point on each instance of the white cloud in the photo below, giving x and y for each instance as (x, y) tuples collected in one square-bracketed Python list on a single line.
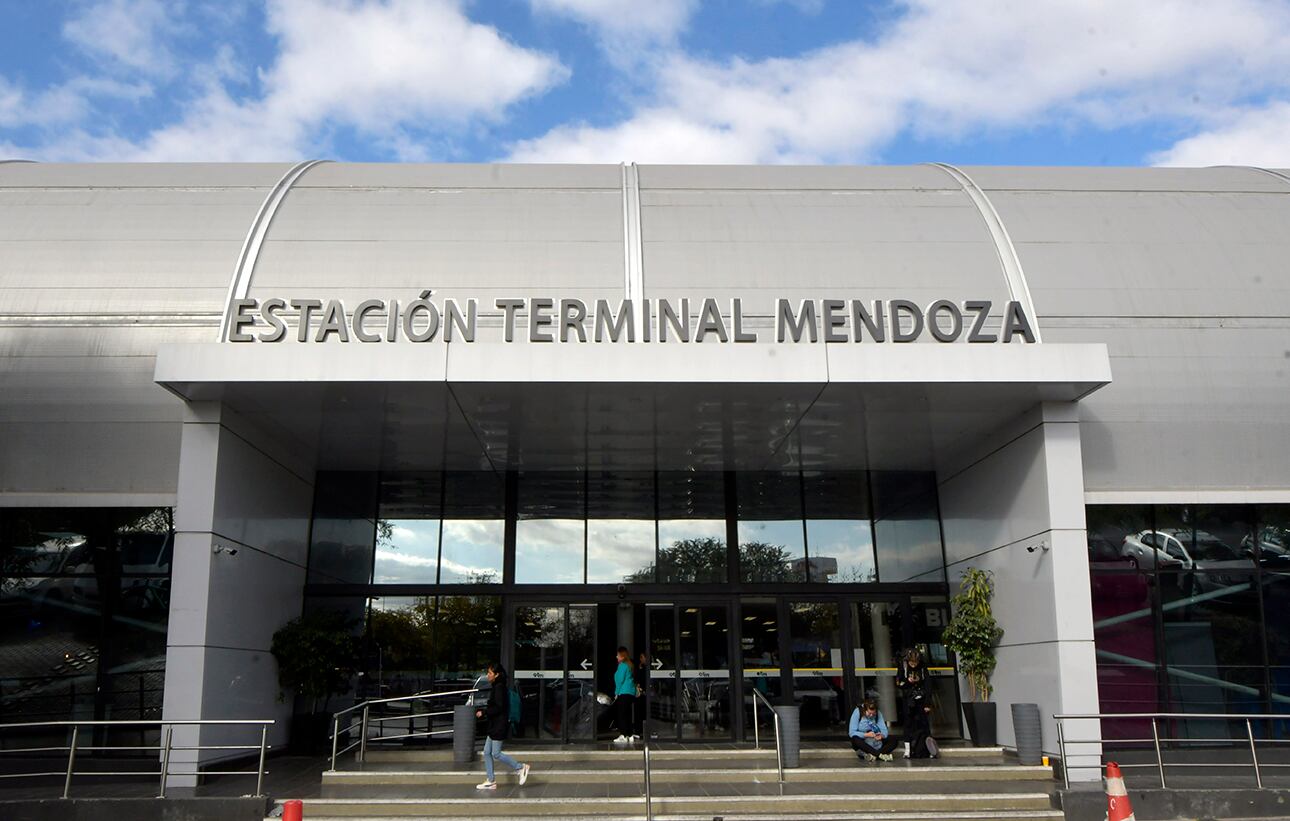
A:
[(375, 67), (623, 20), (131, 32), (1259, 136), (942, 69), (59, 105), (379, 67)]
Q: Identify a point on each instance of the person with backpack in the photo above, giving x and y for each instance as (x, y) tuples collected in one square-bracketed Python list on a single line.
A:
[(624, 698), (498, 715), (869, 735), (911, 679)]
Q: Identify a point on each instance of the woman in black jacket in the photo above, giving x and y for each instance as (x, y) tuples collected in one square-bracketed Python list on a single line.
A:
[(498, 714)]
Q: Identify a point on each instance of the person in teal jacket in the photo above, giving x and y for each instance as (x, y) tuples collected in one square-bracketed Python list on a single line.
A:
[(868, 731), (624, 697)]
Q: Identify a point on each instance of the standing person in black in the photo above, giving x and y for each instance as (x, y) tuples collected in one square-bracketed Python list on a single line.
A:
[(642, 687), (911, 680), (498, 714)]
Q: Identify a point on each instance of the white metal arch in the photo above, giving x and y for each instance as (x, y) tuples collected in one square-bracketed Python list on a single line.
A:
[(240, 284), (1013, 274)]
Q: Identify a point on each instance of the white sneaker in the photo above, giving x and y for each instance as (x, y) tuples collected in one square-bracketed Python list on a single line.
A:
[(524, 774), (906, 749), (869, 757), (886, 757), (635, 738), (487, 785), (622, 739)]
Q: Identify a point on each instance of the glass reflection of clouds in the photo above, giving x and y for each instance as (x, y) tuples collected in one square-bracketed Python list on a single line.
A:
[(618, 549), (850, 543), (410, 555), (549, 551), (472, 552)]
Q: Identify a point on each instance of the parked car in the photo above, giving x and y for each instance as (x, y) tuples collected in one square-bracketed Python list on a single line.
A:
[(1160, 549)]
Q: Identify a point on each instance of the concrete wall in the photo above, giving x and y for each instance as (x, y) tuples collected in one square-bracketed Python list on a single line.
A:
[(1024, 488), (241, 543)]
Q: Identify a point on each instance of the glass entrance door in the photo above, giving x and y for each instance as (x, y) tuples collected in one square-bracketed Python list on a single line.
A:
[(555, 672), (688, 689)]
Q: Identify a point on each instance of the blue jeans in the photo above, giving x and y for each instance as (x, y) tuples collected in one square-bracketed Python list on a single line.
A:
[(493, 750)]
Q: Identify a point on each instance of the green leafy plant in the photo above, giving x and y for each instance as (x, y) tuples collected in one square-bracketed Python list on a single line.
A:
[(317, 655), (973, 633)]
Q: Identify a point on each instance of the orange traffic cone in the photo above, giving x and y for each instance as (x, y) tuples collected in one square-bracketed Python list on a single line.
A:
[(1118, 807)]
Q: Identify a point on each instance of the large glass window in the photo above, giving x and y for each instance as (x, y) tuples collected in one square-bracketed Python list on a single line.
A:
[(772, 539), (839, 535), (407, 529), (907, 528), (421, 643), (1186, 602), (84, 605), (620, 527), (550, 536), (691, 527), (473, 533), (344, 528)]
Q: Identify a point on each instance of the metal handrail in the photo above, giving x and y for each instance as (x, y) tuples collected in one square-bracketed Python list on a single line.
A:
[(1159, 764), (779, 748), (166, 747), (649, 801), (366, 720)]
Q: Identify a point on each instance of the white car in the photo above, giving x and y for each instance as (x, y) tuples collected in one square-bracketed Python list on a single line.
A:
[(1157, 548)]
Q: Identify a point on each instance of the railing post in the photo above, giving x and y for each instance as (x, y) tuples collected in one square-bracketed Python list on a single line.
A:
[(1254, 755), (264, 747), (1061, 748), (71, 762), (649, 803), (165, 758), (362, 743), (756, 727), (1160, 761), (335, 739)]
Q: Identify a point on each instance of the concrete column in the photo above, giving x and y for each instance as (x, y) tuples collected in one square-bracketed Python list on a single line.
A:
[(1015, 506), (241, 544)]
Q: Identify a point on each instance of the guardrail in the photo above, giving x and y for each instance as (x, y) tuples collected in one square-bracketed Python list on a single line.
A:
[(366, 720), (779, 748), (1157, 740), (165, 748), (649, 799)]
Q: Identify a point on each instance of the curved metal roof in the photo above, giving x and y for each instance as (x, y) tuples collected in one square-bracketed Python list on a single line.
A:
[(1181, 271)]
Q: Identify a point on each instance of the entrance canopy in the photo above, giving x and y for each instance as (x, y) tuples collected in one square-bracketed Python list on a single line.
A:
[(469, 406)]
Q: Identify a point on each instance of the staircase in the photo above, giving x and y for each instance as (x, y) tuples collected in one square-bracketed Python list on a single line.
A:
[(691, 783)]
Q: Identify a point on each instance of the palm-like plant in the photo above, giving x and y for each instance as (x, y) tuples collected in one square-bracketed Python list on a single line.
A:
[(972, 633)]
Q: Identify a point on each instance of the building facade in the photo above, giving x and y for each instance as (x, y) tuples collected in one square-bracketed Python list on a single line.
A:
[(753, 422)]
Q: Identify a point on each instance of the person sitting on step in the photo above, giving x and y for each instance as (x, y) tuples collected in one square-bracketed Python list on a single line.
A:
[(868, 731)]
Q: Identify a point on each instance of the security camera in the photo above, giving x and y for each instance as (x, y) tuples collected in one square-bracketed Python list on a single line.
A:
[(1041, 546), (232, 551)]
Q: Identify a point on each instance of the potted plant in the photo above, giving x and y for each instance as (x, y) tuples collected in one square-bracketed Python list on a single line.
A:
[(972, 635), (317, 655)]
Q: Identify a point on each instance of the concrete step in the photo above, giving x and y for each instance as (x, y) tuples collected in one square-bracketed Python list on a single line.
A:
[(878, 805), (943, 815), (583, 755), (337, 783)]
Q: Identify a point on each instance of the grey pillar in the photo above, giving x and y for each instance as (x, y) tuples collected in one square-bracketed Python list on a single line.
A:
[(790, 734)]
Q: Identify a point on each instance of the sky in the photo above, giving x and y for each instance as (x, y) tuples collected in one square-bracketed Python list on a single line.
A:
[(1026, 82)]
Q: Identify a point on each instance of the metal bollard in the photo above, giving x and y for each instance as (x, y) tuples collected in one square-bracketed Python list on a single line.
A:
[(463, 734), (293, 810), (790, 733)]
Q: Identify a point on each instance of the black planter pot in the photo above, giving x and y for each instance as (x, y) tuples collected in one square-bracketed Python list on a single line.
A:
[(982, 723), (309, 734)]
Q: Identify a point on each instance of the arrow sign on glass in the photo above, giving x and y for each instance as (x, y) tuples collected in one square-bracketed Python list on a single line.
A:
[(658, 664), (586, 665)]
